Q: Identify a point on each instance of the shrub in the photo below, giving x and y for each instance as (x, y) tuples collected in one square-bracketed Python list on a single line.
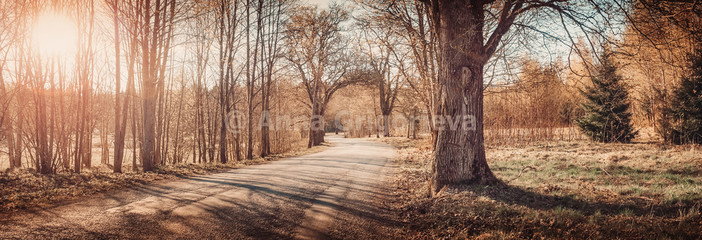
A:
[(607, 117)]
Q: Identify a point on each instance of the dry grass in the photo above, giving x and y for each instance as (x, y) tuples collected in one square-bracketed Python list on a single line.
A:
[(567, 190), (24, 189)]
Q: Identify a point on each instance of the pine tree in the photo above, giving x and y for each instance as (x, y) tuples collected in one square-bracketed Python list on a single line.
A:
[(606, 117), (684, 112)]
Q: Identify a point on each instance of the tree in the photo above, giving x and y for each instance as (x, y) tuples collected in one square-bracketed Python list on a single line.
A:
[(684, 14), (459, 25), (228, 22), (469, 33), (148, 151), (607, 117), (660, 37), (317, 51), (251, 70), (156, 32), (685, 108), (385, 63), (85, 73), (10, 23), (130, 100), (270, 54), (201, 51), (412, 20), (120, 117)]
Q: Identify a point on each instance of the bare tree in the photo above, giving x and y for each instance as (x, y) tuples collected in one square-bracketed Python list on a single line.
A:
[(156, 33), (410, 20), (386, 63), (271, 34), (227, 36), (202, 41), (120, 117), (85, 68), (251, 69), (317, 52), (469, 33), (10, 13)]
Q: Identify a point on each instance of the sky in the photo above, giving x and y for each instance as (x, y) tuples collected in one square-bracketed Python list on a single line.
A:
[(319, 3)]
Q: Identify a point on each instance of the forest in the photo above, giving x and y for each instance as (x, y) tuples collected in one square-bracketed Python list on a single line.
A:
[(491, 119)]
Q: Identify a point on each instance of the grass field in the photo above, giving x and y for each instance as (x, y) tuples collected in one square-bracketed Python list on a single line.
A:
[(560, 190)]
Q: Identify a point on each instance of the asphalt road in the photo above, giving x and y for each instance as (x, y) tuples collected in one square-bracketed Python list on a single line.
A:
[(334, 194)]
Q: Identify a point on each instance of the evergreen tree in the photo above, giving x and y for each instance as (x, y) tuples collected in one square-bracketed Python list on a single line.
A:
[(684, 112), (606, 117)]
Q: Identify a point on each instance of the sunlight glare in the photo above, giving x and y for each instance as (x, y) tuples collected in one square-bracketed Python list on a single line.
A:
[(54, 35)]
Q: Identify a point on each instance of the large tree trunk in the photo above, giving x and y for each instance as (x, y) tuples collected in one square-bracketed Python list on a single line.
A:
[(386, 125), (460, 152), (148, 153), (316, 137)]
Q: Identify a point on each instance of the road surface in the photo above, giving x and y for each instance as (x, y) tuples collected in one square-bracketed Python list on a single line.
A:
[(336, 193)]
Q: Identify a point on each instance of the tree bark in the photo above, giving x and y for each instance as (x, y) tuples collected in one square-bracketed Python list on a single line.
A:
[(265, 131), (120, 119), (460, 152), (223, 84), (148, 95), (16, 147), (271, 48), (42, 130), (316, 137), (386, 125)]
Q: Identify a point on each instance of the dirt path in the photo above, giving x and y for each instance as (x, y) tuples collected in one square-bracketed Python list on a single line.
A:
[(337, 193)]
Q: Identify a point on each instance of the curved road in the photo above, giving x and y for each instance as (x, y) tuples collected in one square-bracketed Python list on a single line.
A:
[(336, 193)]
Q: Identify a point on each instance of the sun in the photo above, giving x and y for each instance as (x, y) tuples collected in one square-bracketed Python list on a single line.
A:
[(54, 35)]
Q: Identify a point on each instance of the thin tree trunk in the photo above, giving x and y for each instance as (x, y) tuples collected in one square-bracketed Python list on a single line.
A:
[(414, 124), (177, 155), (6, 121), (148, 93), (223, 87), (41, 138), (386, 125), (120, 119)]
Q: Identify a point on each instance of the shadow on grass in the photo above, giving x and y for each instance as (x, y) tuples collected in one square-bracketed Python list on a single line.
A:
[(510, 212), (515, 195)]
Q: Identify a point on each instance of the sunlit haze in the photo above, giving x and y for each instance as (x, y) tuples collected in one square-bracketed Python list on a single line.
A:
[(54, 35)]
